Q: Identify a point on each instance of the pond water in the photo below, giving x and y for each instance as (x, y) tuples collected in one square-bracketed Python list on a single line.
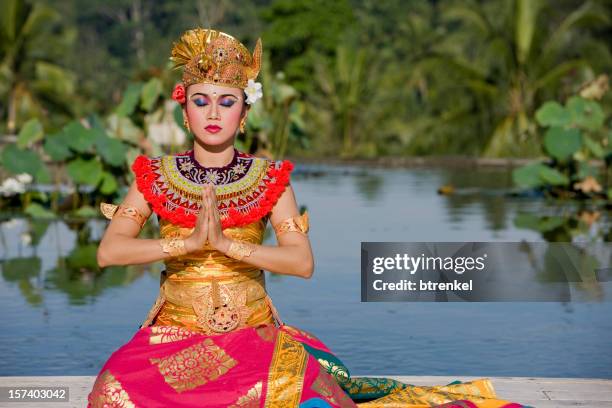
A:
[(59, 318)]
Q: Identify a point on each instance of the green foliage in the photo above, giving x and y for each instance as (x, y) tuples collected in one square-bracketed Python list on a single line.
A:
[(149, 94), (31, 132), (17, 161), (109, 183), (538, 223), (130, 99), (299, 33), (85, 171), (562, 143), (93, 157), (276, 120), (111, 150), (57, 146), (537, 175), (78, 137), (585, 114), (361, 78), (33, 81), (36, 210), (86, 211), (552, 114), (493, 63), (573, 137)]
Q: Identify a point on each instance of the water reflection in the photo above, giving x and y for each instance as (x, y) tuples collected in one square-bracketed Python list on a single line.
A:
[(51, 287), (59, 256)]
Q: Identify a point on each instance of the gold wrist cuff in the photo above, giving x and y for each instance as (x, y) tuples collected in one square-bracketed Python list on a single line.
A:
[(173, 246), (123, 210), (299, 223), (239, 250)]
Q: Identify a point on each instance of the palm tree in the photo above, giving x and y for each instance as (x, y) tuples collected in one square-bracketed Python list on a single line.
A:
[(507, 57), (32, 82), (352, 89)]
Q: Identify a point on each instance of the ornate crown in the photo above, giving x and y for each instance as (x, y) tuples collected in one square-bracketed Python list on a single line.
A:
[(210, 56)]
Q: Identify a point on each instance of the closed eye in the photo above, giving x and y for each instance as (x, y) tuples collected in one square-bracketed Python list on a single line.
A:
[(200, 102)]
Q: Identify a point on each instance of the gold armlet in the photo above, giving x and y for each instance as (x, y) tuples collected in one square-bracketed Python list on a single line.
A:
[(173, 246), (122, 210), (239, 250), (299, 223)]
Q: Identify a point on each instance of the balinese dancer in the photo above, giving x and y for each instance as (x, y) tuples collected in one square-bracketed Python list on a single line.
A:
[(213, 338)]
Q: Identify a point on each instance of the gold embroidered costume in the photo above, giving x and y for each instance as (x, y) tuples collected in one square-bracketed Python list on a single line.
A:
[(213, 338)]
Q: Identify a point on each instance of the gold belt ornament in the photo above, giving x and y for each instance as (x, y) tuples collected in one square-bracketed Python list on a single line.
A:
[(219, 308)]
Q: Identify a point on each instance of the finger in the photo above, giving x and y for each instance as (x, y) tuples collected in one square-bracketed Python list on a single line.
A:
[(213, 216), (213, 200), (201, 217), (215, 211), (211, 221), (207, 192), (213, 194)]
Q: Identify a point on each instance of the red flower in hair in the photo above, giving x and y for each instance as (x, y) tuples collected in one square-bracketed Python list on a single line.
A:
[(178, 94)]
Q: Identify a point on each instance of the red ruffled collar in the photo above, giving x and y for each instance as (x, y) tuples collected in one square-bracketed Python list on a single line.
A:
[(247, 188)]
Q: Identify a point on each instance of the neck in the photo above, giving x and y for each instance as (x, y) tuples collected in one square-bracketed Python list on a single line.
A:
[(214, 156)]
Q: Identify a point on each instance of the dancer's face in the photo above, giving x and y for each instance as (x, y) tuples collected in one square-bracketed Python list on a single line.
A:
[(214, 112)]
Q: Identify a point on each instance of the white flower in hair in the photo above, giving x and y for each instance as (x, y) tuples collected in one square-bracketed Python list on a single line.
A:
[(253, 91)]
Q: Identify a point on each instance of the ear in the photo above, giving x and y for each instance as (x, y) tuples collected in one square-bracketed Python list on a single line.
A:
[(245, 110)]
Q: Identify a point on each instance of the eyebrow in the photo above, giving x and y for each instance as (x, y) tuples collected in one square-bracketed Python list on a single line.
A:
[(203, 94)]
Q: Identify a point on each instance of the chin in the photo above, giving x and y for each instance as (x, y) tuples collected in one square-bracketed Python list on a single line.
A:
[(214, 140)]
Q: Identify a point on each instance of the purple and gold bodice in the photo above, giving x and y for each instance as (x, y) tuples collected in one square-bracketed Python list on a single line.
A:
[(206, 290)]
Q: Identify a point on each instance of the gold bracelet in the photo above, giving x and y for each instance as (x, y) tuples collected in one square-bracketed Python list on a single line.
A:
[(123, 210), (173, 246), (239, 250), (299, 223)]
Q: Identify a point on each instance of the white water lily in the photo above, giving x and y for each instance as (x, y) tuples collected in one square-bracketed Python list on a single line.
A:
[(11, 186), (26, 238), (24, 178), (253, 91), (12, 223)]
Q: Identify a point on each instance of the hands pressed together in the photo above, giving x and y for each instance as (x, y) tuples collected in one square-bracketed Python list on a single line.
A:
[(208, 225)]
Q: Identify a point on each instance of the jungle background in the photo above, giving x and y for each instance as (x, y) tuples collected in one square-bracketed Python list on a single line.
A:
[(85, 86), (351, 78)]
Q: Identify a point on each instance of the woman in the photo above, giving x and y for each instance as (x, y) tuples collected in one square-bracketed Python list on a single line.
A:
[(213, 337)]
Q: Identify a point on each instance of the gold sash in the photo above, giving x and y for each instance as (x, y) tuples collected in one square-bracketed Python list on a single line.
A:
[(213, 305), (210, 292)]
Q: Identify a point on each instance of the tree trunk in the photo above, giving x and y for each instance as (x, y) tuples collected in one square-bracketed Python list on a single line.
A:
[(11, 123), (139, 33)]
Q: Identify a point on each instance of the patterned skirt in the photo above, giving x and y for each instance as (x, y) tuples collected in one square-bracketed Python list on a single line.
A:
[(261, 366)]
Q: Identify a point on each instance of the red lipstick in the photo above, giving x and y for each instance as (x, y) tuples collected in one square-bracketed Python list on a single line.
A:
[(212, 128)]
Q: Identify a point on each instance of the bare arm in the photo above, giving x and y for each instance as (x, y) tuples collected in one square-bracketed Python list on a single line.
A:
[(120, 245), (292, 255)]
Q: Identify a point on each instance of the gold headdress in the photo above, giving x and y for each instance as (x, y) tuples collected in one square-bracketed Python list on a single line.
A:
[(210, 56)]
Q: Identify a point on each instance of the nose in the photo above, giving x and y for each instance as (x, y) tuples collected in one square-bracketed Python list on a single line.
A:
[(214, 111)]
